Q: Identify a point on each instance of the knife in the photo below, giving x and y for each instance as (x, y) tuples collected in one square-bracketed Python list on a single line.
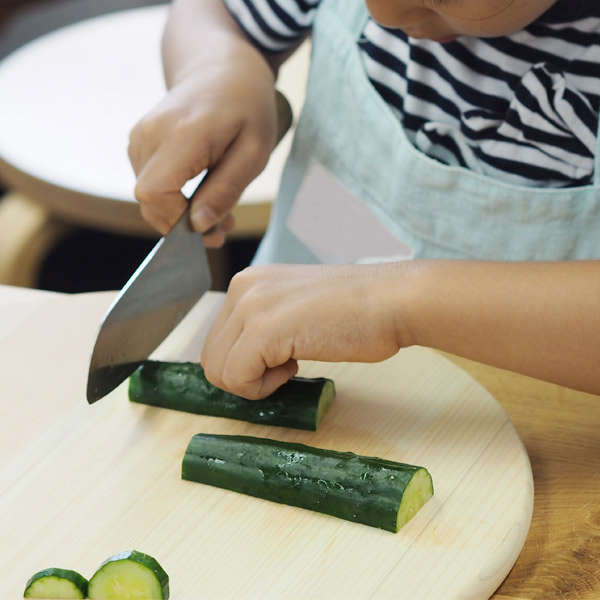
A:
[(168, 283)]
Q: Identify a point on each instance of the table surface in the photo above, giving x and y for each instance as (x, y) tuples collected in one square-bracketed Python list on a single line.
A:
[(69, 99), (560, 430)]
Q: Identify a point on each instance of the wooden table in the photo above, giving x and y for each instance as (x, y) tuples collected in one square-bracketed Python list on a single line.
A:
[(561, 432), (560, 429)]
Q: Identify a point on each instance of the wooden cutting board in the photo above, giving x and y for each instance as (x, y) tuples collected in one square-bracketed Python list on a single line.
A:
[(79, 483)]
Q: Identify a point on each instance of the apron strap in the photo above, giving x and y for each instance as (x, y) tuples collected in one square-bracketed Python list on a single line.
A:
[(353, 13), (597, 158)]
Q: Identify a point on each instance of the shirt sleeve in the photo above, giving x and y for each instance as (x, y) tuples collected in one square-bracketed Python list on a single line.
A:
[(274, 25)]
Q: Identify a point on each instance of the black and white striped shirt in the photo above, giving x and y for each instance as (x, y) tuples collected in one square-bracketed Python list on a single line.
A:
[(521, 108)]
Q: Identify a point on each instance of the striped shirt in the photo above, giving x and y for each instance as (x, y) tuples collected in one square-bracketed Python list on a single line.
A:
[(522, 108)]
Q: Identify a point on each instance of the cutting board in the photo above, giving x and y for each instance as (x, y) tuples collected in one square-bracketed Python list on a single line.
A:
[(79, 483)]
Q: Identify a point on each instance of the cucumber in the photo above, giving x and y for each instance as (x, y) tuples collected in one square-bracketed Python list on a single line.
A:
[(56, 583), (373, 491), (300, 403), (129, 574)]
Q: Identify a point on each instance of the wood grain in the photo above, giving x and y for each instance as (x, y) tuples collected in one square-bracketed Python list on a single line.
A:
[(561, 432), (79, 483)]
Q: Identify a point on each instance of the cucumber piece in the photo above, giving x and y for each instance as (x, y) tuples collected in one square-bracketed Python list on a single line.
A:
[(300, 403), (56, 583), (129, 574), (369, 490)]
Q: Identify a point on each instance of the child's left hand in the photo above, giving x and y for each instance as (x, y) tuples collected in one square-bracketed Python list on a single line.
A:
[(275, 315)]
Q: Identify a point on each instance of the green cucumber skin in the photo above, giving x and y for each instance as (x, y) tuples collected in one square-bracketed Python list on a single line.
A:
[(362, 489), (184, 387), (142, 559), (73, 576)]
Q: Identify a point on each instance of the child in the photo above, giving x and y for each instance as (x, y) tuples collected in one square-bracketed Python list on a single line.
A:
[(459, 134)]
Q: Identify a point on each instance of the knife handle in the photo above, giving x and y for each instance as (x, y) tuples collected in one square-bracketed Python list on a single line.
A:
[(284, 122)]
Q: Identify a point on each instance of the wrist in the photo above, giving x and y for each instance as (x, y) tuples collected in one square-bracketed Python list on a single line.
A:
[(405, 297), (431, 302), (391, 297), (232, 60)]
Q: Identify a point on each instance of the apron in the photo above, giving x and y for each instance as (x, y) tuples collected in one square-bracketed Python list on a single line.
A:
[(438, 211)]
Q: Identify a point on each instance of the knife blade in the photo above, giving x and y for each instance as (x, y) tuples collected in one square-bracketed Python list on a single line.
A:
[(168, 283)]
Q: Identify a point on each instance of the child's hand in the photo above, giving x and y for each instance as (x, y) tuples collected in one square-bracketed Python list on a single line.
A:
[(536, 318), (216, 118), (277, 314)]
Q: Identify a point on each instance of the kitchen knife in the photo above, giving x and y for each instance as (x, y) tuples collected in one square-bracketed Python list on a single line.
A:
[(168, 283)]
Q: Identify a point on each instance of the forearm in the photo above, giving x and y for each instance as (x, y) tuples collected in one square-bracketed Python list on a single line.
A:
[(220, 113), (539, 319), (203, 35)]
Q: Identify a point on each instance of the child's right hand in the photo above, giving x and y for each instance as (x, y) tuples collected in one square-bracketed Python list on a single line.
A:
[(220, 116)]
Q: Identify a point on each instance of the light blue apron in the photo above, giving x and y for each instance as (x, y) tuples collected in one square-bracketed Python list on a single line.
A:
[(439, 211)]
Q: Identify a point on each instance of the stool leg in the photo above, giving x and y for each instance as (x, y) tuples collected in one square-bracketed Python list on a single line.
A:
[(27, 233)]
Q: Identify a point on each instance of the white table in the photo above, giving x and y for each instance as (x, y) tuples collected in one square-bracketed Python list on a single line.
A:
[(68, 102)]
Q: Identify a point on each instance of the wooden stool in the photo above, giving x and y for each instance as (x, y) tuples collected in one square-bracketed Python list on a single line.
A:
[(27, 231)]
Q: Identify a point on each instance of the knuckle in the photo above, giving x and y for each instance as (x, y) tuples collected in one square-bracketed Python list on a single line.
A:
[(238, 281), (225, 194), (135, 136), (145, 129), (242, 287), (246, 390), (212, 375), (258, 152), (251, 394), (229, 380), (144, 193), (185, 123)]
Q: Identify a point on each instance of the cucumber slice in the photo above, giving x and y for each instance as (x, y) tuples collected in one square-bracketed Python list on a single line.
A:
[(56, 583), (130, 574), (369, 490), (301, 403)]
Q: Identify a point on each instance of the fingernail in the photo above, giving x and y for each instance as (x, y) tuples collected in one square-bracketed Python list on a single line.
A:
[(203, 218)]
